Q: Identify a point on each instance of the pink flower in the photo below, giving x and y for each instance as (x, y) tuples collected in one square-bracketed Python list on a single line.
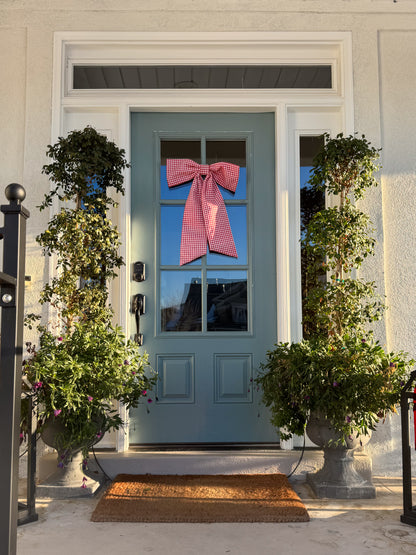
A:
[(57, 412), (60, 338), (144, 392), (90, 398), (37, 385), (149, 401)]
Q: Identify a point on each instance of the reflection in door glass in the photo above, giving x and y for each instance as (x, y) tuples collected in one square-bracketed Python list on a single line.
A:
[(233, 152), (180, 300), (170, 236), (237, 216), (177, 149), (226, 301)]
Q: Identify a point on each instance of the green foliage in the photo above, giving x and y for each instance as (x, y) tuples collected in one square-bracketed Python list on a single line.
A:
[(352, 381), (345, 165), (77, 372), (85, 165), (338, 369), (86, 247)]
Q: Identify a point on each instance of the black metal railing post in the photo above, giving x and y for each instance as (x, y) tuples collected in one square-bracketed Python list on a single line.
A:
[(27, 510), (12, 286), (407, 397)]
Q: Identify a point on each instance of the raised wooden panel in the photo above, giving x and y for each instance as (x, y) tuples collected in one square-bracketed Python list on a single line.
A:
[(176, 378), (233, 374)]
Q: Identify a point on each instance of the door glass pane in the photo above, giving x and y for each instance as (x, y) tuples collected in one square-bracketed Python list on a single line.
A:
[(170, 235), (237, 216), (226, 301), (235, 153), (177, 149), (180, 300)]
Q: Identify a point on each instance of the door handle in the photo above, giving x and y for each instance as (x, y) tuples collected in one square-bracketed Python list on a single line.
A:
[(138, 308)]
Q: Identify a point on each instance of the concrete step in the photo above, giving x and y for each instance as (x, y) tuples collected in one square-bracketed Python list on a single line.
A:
[(205, 462)]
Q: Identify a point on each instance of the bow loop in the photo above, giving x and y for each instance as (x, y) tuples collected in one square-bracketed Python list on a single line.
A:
[(205, 217), (226, 175), (180, 171)]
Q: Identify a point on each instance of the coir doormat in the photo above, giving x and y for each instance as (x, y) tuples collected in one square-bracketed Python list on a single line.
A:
[(192, 498)]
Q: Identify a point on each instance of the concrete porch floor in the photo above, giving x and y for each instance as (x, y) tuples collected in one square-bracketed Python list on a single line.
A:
[(355, 527)]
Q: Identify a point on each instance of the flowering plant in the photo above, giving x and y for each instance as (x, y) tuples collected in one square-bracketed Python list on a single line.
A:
[(78, 375), (352, 381), (338, 370), (83, 362)]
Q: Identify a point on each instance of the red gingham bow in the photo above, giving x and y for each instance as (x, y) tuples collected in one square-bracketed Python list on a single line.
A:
[(205, 217)]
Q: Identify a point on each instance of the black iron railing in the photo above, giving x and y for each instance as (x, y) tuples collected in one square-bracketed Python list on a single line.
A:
[(27, 510), (12, 287), (408, 400)]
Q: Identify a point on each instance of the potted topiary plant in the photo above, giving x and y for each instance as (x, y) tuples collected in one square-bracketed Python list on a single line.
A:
[(338, 382), (83, 362)]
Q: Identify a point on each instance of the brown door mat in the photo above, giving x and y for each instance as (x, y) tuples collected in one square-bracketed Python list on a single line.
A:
[(194, 498)]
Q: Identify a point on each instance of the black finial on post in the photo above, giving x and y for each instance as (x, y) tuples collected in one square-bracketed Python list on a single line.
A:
[(15, 193)]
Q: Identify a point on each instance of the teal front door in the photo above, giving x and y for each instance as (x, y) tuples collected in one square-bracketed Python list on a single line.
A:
[(209, 322)]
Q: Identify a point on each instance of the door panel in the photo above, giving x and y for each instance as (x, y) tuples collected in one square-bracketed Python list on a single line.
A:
[(208, 323)]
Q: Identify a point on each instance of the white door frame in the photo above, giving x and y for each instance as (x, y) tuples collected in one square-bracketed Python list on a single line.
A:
[(297, 112)]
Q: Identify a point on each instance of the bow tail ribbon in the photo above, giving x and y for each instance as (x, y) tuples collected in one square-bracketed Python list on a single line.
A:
[(217, 225), (194, 236), (205, 217)]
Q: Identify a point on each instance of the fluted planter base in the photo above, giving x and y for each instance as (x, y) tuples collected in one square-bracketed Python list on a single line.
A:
[(338, 478), (68, 481)]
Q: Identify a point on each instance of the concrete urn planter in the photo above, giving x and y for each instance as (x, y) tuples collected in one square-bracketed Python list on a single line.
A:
[(69, 479), (338, 478)]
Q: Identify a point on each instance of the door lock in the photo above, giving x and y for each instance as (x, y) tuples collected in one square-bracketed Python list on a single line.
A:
[(139, 271)]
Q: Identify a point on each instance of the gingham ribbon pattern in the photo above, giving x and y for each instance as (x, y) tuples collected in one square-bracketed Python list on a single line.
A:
[(205, 217)]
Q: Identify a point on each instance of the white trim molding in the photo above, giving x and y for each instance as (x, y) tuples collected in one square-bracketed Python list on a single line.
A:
[(298, 111)]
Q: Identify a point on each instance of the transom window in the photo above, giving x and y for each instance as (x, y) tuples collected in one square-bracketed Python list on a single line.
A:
[(202, 77)]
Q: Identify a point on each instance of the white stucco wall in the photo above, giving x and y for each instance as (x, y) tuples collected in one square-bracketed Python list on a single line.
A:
[(384, 50)]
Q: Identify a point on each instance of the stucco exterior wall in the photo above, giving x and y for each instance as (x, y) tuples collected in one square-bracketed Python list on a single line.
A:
[(384, 50)]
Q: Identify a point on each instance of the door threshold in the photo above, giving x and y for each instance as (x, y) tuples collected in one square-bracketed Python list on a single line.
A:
[(163, 447)]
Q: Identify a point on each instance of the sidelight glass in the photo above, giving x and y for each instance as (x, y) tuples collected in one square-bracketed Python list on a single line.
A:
[(311, 202)]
